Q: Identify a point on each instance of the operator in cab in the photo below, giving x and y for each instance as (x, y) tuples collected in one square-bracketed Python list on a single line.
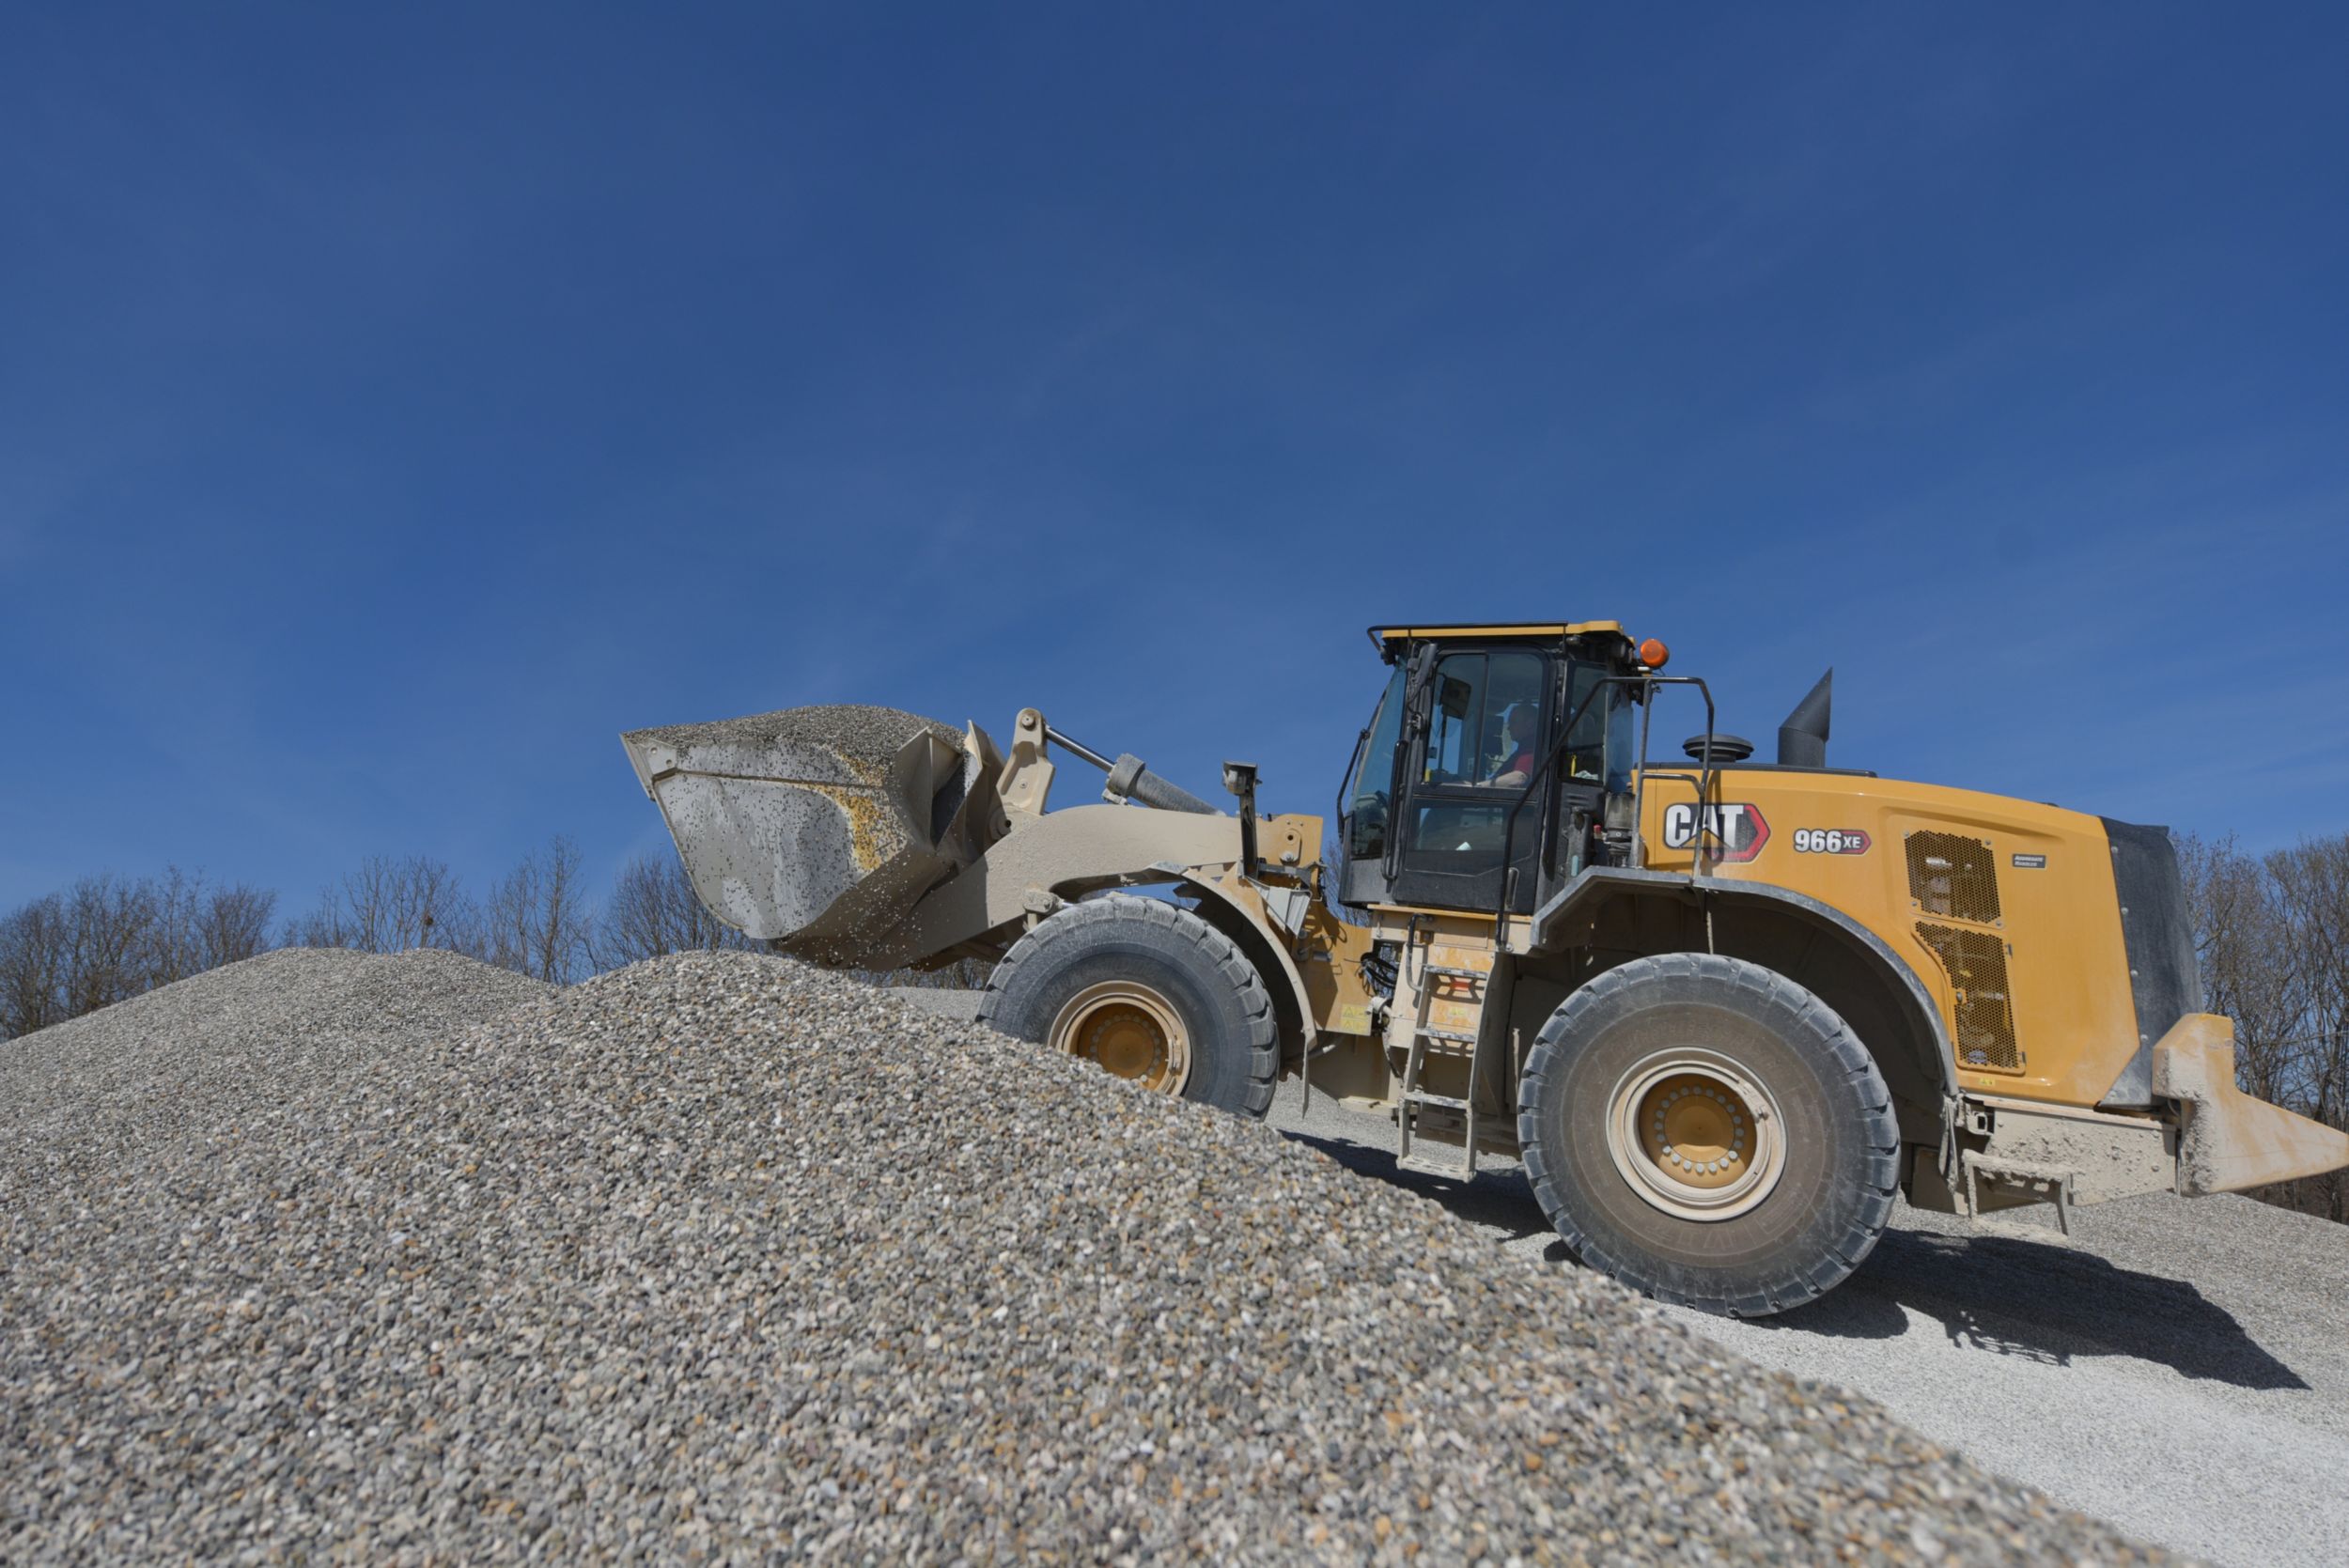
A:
[(1520, 726)]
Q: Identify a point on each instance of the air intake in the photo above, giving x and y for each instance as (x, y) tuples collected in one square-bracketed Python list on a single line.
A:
[(1727, 749), (1951, 875), (1975, 961)]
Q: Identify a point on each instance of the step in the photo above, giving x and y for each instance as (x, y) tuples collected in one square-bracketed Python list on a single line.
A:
[(2051, 1184), (1450, 1169)]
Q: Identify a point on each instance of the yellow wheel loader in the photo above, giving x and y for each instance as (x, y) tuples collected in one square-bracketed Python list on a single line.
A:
[(1721, 1009)]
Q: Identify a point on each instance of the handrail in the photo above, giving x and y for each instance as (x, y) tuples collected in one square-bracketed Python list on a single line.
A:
[(1558, 748)]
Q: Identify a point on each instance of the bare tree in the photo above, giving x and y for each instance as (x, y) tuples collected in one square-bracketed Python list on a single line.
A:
[(195, 927), (233, 924), (2272, 935), (2243, 942), (2311, 881), (108, 923), (34, 947), (537, 921), (326, 925), (654, 909), (105, 939), (172, 951), (390, 906)]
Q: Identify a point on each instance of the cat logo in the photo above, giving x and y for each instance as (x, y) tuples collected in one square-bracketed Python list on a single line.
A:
[(1735, 829)]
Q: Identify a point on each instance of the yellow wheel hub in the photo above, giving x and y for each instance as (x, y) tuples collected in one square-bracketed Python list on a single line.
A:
[(1696, 1134), (1129, 1029), (1696, 1130)]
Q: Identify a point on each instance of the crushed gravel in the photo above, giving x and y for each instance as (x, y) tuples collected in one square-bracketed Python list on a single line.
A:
[(138, 1092), (808, 825), (869, 735), (725, 1257), (2178, 1366)]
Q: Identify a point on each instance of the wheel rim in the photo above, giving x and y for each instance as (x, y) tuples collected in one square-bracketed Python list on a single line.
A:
[(1696, 1136), (1127, 1030)]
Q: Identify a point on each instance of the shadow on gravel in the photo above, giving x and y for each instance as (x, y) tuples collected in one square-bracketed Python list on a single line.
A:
[(1496, 1200), (2006, 1295), (2054, 1304)]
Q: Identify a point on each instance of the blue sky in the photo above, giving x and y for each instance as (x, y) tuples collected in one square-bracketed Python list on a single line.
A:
[(396, 402)]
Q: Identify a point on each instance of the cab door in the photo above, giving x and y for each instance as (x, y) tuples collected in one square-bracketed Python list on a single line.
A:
[(1476, 727)]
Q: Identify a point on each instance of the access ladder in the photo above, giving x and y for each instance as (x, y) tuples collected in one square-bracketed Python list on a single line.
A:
[(1427, 1037)]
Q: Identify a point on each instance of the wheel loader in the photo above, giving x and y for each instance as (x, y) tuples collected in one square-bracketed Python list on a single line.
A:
[(1721, 1009)]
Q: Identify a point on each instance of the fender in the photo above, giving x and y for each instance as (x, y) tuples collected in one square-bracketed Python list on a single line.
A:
[(1598, 885), (1234, 908)]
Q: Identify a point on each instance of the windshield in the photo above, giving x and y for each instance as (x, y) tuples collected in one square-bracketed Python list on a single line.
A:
[(1366, 792)]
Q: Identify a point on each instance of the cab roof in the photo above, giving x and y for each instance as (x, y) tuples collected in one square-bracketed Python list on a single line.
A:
[(1386, 636)]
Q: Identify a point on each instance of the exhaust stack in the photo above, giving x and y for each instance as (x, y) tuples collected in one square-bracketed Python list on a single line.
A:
[(1802, 738)]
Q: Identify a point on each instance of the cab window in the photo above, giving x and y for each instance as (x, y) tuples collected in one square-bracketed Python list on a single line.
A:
[(1482, 742), (1484, 720)]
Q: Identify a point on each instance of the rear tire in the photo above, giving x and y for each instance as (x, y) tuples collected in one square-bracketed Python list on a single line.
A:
[(1141, 986), (1709, 1133)]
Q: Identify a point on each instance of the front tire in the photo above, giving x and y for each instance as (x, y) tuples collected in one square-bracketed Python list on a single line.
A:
[(1150, 992), (1709, 1133)]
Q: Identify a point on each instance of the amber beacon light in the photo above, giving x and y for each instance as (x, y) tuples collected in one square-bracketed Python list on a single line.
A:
[(1653, 653)]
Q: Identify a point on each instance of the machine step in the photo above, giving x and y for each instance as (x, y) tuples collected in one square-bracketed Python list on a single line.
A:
[(1451, 1170), (2049, 1183)]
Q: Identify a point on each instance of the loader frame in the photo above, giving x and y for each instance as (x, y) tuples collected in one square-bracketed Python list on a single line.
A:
[(1349, 1036)]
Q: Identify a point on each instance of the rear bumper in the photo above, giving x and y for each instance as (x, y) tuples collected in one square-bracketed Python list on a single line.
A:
[(2204, 1136), (2228, 1140)]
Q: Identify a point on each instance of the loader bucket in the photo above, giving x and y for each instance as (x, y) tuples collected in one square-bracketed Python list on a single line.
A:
[(817, 828)]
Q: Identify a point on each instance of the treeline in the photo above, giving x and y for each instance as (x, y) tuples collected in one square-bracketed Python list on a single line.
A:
[(107, 937), (540, 918), (2272, 932), (104, 939)]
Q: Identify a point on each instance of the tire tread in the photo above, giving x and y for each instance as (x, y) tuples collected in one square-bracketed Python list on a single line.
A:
[(1878, 1180), (1222, 954)]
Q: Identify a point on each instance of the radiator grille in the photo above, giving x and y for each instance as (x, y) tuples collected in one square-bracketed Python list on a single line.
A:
[(1975, 962), (1953, 876)]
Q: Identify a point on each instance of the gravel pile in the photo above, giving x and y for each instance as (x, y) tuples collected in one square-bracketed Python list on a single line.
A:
[(722, 1256), (146, 1092), (861, 731)]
